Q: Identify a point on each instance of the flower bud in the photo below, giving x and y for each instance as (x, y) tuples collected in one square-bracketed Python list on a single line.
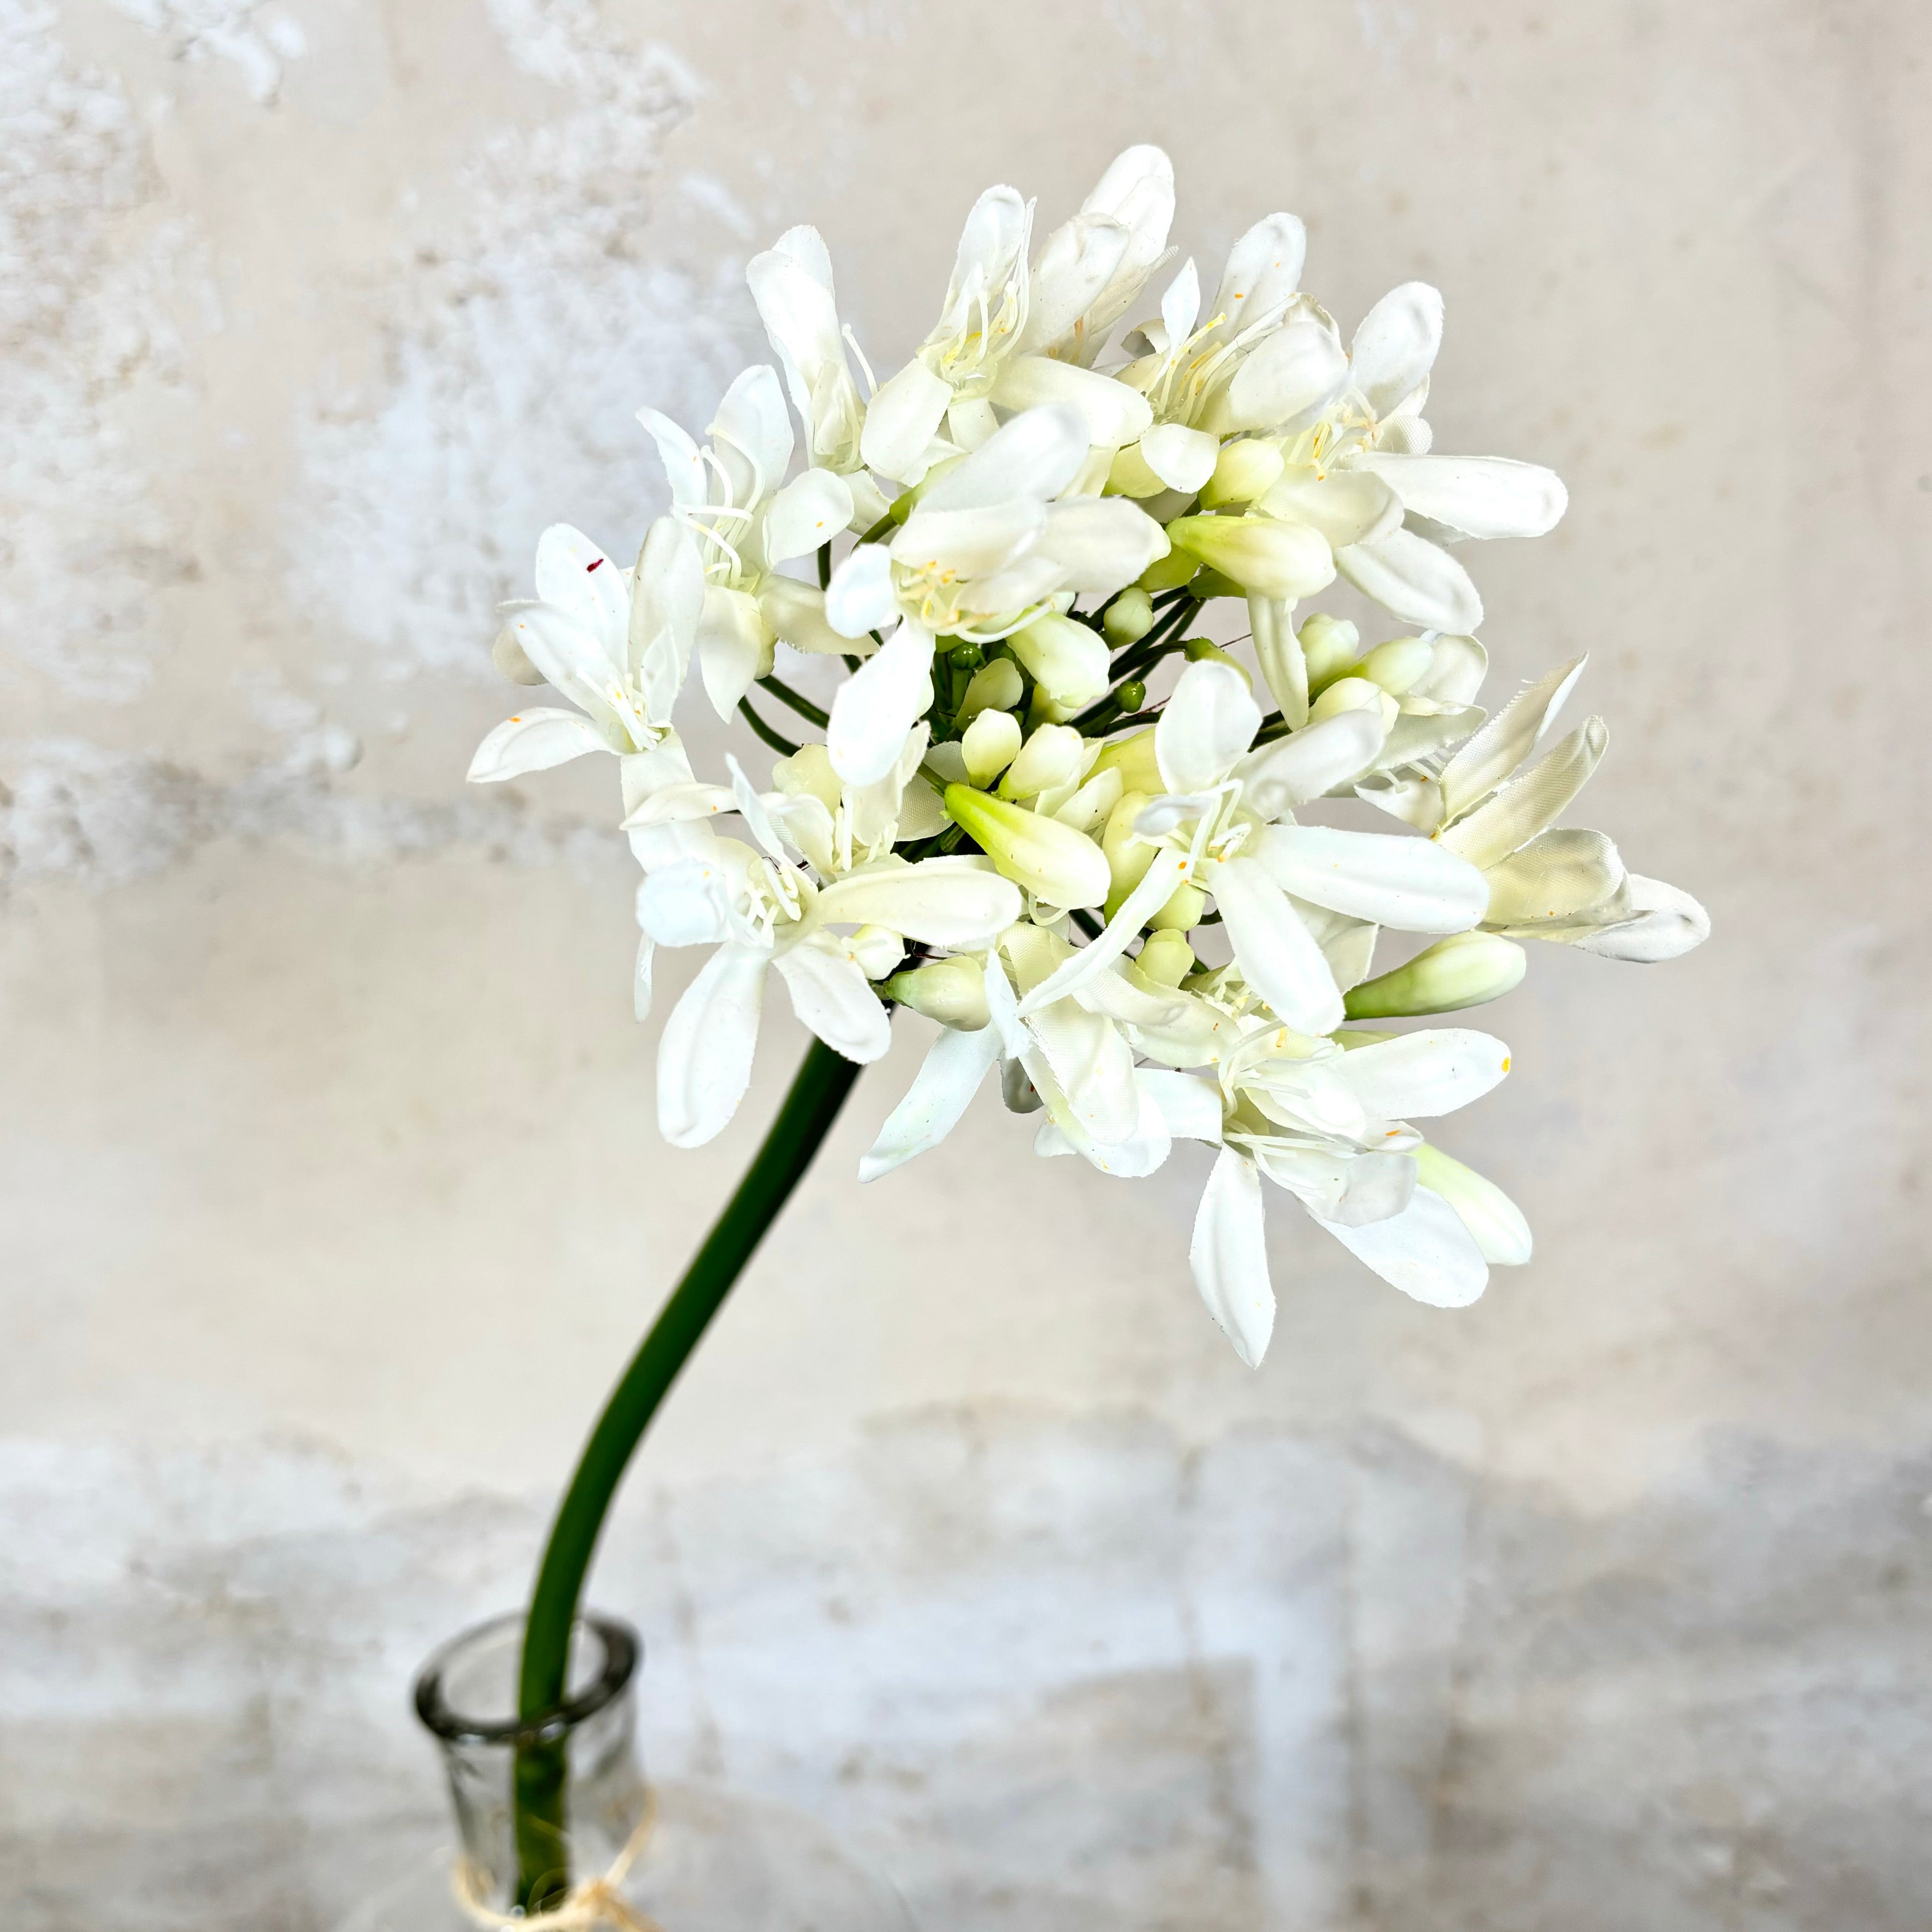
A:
[(509, 656), (1129, 617), (1329, 644), (1243, 471), (992, 742), (1398, 664), (1052, 757), (1068, 661), (1263, 555), (808, 773), (1133, 758), (1467, 969), (1202, 650), (1355, 693), (996, 685), (1166, 958), (952, 992), (1055, 863), (1168, 573), (1490, 1215), (1182, 913), (877, 948), (1128, 855)]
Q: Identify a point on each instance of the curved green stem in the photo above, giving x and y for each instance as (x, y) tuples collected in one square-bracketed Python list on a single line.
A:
[(816, 1093)]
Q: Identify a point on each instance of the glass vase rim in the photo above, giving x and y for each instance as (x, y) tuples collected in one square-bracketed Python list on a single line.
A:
[(623, 1648)]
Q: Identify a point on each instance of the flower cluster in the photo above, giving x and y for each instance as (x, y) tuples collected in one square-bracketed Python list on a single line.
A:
[(1128, 904)]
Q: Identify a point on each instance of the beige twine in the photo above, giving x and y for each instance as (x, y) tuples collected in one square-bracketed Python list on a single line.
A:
[(590, 1903)]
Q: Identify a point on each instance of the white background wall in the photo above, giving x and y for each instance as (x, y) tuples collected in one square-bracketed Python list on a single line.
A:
[(330, 1194)]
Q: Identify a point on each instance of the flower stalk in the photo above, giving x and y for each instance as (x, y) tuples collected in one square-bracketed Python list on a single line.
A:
[(818, 1092)]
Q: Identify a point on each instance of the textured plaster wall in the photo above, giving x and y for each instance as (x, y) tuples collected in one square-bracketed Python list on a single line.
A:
[(330, 1194)]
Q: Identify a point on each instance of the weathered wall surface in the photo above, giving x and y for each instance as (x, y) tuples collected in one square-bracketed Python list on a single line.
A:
[(330, 1194)]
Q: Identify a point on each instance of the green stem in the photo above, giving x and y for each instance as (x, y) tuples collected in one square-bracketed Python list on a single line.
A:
[(816, 1093)]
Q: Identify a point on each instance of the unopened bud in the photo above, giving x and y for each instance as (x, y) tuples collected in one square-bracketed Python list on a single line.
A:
[(1168, 573), (991, 743), (996, 686), (1068, 661), (1166, 958), (966, 655), (1491, 1217), (1330, 645), (1131, 696), (1182, 913), (1243, 471), (1051, 756), (1055, 863), (1129, 617), (1128, 855), (1263, 555), (952, 992), (1467, 969), (808, 773), (1398, 664), (1134, 759), (1355, 693), (876, 950)]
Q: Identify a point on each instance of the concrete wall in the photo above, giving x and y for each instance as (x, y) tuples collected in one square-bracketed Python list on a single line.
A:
[(330, 1192)]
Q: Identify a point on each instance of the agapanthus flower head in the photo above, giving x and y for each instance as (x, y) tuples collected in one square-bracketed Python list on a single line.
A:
[(1075, 793)]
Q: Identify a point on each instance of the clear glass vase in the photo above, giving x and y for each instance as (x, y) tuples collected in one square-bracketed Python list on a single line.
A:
[(683, 1858)]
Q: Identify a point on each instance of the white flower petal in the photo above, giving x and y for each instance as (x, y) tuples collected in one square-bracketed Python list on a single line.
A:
[(1114, 414), (1347, 506), (1554, 876), (1418, 1075), (684, 466), (734, 647), (1476, 496), (1284, 665), (794, 613), (950, 902), (667, 602), (953, 1070), (1527, 804), (1418, 581), (902, 418), (860, 597), (1183, 458), (704, 1058), (1425, 1251), (533, 741), (1299, 368), (1155, 888), (573, 662), (752, 434), (1508, 739), (1495, 1221), (832, 996), (1263, 271), (682, 903), (1101, 545), (573, 574), (968, 543), (810, 511), (879, 703), (1277, 955), (1036, 454), (1189, 1103), (1228, 1256), (1310, 763), (1395, 347), (1412, 884), (1074, 265), (1211, 720), (1669, 923)]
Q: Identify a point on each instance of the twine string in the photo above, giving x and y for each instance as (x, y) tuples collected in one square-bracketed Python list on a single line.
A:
[(589, 1905)]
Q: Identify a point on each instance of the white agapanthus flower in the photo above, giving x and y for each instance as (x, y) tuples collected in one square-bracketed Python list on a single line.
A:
[(1121, 891)]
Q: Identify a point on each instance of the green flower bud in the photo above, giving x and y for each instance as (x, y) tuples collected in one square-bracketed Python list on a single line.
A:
[(1052, 757), (1068, 661), (1353, 694), (1169, 573), (1261, 554), (966, 655), (990, 744), (1052, 861), (1166, 958), (1131, 696), (1243, 471), (1133, 758), (1182, 913), (1482, 1207), (996, 686), (952, 992), (1467, 969), (1210, 583), (808, 772), (1128, 855), (1396, 664), (1330, 645), (1129, 617)]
